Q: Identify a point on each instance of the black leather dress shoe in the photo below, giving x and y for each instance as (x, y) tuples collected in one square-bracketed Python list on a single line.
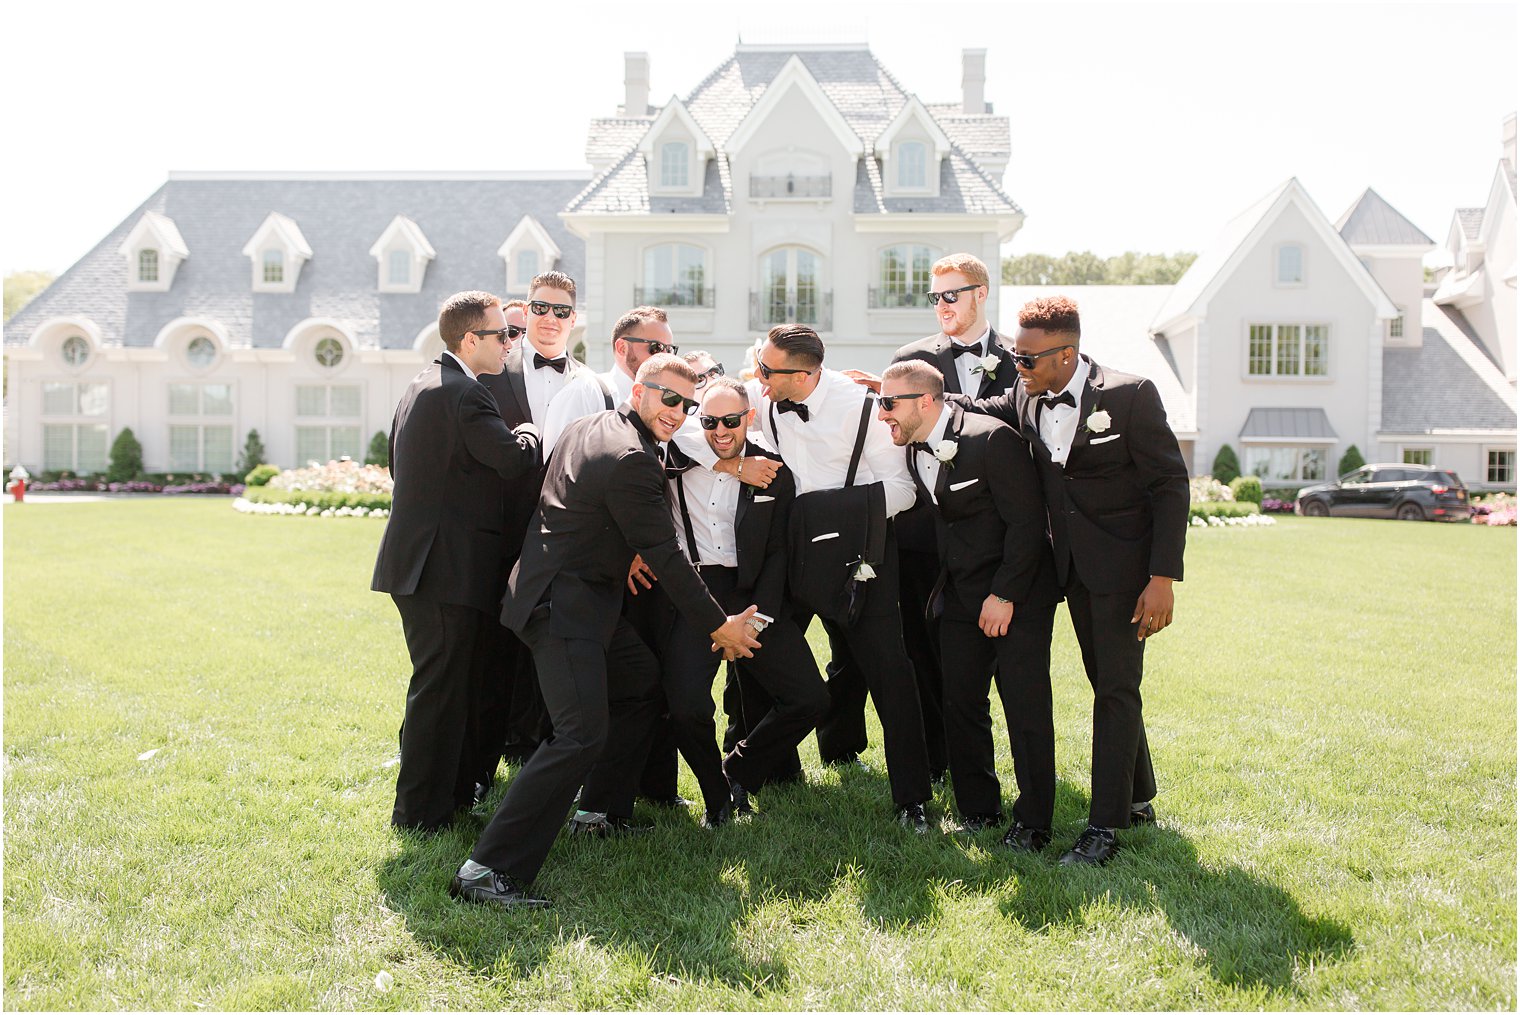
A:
[(740, 795), (482, 790), (1023, 839), (848, 762), (1093, 848), (493, 889), (608, 827), (717, 819), (912, 816), (978, 822), (677, 800), (1142, 814)]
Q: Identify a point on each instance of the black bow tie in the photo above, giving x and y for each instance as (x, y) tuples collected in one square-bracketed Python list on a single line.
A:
[(787, 405), (539, 362), (1064, 398), (921, 446), (956, 349)]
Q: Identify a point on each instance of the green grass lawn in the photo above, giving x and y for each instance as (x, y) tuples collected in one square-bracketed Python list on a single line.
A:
[(1332, 718)]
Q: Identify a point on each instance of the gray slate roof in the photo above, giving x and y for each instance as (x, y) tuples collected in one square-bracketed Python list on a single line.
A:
[(464, 220), (1274, 423), (1372, 221), (1433, 388), (611, 136), (866, 95), (1472, 221), (977, 134)]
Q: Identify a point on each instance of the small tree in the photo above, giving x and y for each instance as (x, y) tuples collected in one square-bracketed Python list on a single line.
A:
[(254, 454), (1226, 465), (126, 458), (379, 450), (1350, 461)]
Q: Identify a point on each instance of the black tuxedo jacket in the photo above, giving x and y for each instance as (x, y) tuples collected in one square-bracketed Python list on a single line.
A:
[(451, 457), (1119, 509), (511, 393), (992, 536), (916, 526), (604, 500), (760, 531)]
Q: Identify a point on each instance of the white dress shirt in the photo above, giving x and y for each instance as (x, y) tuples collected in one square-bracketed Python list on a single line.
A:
[(542, 383), (1058, 424), (581, 396), (712, 501), (965, 363), (818, 451), (924, 461), (462, 365)]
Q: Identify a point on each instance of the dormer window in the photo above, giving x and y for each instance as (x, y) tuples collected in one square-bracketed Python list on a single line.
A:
[(912, 163), (1290, 264), (911, 149), (529, 250), (153, 251), (277, 252), (675, 165), (527, 264), (402, 254)]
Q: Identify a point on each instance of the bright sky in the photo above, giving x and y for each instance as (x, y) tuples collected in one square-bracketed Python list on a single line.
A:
[(1138, 126)]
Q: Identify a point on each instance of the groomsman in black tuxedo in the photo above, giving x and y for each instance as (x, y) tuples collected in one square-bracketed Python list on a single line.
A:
[(511, 713), (973, 359), (736, 535), (1116, 490), (604, 501), (997, 581), (452, 457)]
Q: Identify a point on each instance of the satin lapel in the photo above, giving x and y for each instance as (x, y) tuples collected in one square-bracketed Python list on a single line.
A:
[(513, 368), (1029, 424), (946, 363), (1092, 394), (746, 496), (952, 433), (1005, 362), (918, 481)]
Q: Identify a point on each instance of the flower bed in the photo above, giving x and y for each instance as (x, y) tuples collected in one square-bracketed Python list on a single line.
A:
[(1229, 521), (1495, 509), (134, 486), (341, 489), (1222, 509)]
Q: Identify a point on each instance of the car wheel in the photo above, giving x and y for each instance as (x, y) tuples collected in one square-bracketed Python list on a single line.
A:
[(1316, 509), (1410, 513)]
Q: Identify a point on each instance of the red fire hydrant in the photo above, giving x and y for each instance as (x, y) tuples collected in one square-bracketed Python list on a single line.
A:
[(19, 476)]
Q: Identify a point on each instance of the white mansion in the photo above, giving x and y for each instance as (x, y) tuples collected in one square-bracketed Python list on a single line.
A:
[(793, 183)]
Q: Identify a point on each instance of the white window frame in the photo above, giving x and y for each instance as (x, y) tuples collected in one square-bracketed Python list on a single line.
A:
[(268, 264), (63, 351), (148, 258), (1396, 325), (1249, 465), (671, 161), (202, 422), (671, 251), (1487, 473), (1425, 450), (1275, 359), (399, 257), (77, 420), (912, 294), (1277, 266), (900, 163), (329, 421)]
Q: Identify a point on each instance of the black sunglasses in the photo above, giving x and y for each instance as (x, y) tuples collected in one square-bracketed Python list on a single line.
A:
[(949, 295), (655, 345), (561, 310), (500, 334), (889, 402), (513, 331), (730, 422), (769, 372), (709, 374), (674, 398), (1026, 359)]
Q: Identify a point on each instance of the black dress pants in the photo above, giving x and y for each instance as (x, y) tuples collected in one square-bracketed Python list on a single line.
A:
[(449, 648), (600, 713), (1114, 659), (1021, 658), (919, 571)]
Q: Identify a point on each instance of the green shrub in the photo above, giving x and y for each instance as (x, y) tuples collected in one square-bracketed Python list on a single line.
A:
[(1222, 509), (318, 498), (1350, 461), (126, 457), (261, 474), (379, 451), (1226, 465), (254, 454), (1246, 488)]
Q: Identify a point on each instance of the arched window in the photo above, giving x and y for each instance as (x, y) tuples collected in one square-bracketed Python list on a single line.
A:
[(790, 288), (912, 164), (399, 267), (675, 275), (147, 265), (674, 164), (905, 275), (274, 267), (76, 351)]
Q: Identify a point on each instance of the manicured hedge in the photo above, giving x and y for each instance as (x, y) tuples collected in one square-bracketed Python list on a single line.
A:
[(318, 498), (1222, 509)]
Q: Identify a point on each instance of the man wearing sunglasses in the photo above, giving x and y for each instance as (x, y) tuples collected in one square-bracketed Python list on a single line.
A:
[(1116, 493), (972, 358), (452, 458), (997, 586), (639, 334), (603, 502)]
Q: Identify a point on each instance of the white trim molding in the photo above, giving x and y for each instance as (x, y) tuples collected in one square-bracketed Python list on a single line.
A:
[(404, 237), (277, 235)]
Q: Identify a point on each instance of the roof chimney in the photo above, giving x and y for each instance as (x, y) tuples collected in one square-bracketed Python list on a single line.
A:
[(635, 84), (973, 80)]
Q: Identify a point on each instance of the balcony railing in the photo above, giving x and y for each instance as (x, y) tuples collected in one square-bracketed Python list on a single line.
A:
[(892, 299), (791, 185), (816, 312), (675, 296)]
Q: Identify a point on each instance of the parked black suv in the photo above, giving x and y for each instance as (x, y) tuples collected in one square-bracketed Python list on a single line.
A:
[(1414, 493)]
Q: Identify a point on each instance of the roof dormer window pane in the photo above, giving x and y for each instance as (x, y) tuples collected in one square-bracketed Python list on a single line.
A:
[(147, 265), (1290, 264), (274, 267), (399, 268), (527, 267), (674, 168), (912, 164)]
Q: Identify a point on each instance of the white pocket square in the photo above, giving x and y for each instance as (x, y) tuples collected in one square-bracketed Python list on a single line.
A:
[(1105, 440), (826, 535), (962, 486), (761, 500)]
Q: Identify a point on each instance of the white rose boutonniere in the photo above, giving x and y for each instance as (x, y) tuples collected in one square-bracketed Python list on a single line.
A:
[(863, 572), (988, 365), (1099, 421), (945, 452)]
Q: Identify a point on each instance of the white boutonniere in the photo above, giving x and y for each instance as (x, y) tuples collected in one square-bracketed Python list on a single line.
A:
[(1099, 421), (945, 451), (863, 572), (988, 365)]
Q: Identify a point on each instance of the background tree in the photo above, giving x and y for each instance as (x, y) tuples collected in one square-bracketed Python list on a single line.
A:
[(1086, 268), (1226, 465), (379, 450), (21, 286), (126, 458), (1350, 461), (254, 454)]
